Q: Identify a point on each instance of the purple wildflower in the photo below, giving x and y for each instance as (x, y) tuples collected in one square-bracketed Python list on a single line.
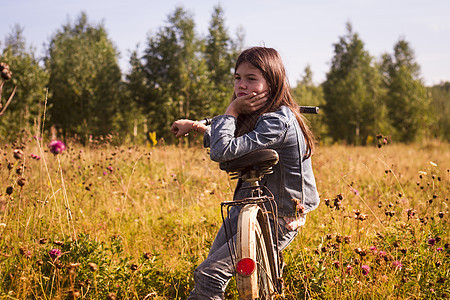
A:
[(54, 253), (105, 173), (365, 269), (18, 153), (336, 264), (397, 264), (348, 269), (56, 147), (431, 242), (33, 156), (439, 249)]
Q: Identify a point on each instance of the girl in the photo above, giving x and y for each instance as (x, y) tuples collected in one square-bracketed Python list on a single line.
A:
[(262, 114)]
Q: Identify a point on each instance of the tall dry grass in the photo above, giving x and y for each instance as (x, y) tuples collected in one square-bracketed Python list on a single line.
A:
[(134, 222)]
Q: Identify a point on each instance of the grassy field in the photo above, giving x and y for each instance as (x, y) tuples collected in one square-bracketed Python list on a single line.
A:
[(106, 222)]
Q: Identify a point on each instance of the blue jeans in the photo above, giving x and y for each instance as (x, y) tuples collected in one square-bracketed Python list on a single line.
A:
[(212, 275)]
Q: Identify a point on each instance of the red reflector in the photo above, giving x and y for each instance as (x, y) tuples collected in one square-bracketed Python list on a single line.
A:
[(246, 266)]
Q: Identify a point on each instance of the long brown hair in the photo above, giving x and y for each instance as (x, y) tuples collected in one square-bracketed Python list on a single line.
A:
[(269, 62)]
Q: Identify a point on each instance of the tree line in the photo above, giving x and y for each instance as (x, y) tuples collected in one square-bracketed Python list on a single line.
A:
[(78, 90)]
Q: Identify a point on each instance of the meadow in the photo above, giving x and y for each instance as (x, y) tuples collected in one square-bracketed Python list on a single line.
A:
[(132, 222)]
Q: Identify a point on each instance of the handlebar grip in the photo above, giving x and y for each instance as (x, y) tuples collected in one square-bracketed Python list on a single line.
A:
[(309, 110)]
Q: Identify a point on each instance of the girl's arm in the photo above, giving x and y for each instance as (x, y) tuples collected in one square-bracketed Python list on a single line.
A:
[(241, 105), (183, 127)]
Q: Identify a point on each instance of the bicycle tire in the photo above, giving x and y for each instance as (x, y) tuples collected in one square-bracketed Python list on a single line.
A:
[(253, 241)]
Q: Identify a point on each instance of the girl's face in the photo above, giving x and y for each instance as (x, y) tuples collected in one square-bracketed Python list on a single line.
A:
[(248, 79)]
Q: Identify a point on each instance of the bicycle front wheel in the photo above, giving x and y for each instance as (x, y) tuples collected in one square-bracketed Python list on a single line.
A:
[(255, 262)]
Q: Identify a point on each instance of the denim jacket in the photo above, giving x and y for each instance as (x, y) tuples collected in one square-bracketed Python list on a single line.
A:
[(292, 176)]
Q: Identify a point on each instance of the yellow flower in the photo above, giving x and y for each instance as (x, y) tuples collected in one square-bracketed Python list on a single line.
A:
[(152, 137)]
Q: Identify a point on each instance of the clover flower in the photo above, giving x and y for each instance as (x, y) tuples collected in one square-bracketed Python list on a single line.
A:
[(397, 264), (348, 269), (34, 156), (431, 242), (54, 253), (365, 269), (21, 181), (93, 267), (411, 212), (25, 252), (18, 154), (9, 190), (56, 147)]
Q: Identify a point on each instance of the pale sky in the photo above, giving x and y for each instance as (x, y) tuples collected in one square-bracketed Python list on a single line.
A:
[(303, 31)]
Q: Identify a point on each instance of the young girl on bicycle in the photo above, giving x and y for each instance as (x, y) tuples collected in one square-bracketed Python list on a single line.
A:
[(261, 115)]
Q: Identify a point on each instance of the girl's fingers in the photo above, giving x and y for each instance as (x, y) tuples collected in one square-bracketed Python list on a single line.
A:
[(174, 129), (260, 102), (260, 98)]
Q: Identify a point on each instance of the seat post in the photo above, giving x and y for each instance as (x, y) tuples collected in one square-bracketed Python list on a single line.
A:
[(253, 180)]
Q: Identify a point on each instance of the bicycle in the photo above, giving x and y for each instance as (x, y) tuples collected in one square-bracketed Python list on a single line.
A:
[(256, 257)]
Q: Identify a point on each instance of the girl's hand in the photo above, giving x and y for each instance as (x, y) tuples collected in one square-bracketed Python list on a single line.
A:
[(182, 127), (247, 104)]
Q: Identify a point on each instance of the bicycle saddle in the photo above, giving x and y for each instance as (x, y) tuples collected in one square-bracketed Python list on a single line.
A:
[(262, 159)]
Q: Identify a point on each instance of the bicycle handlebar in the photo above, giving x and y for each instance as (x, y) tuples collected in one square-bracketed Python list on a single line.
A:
[(309, 109), (303, 110)]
